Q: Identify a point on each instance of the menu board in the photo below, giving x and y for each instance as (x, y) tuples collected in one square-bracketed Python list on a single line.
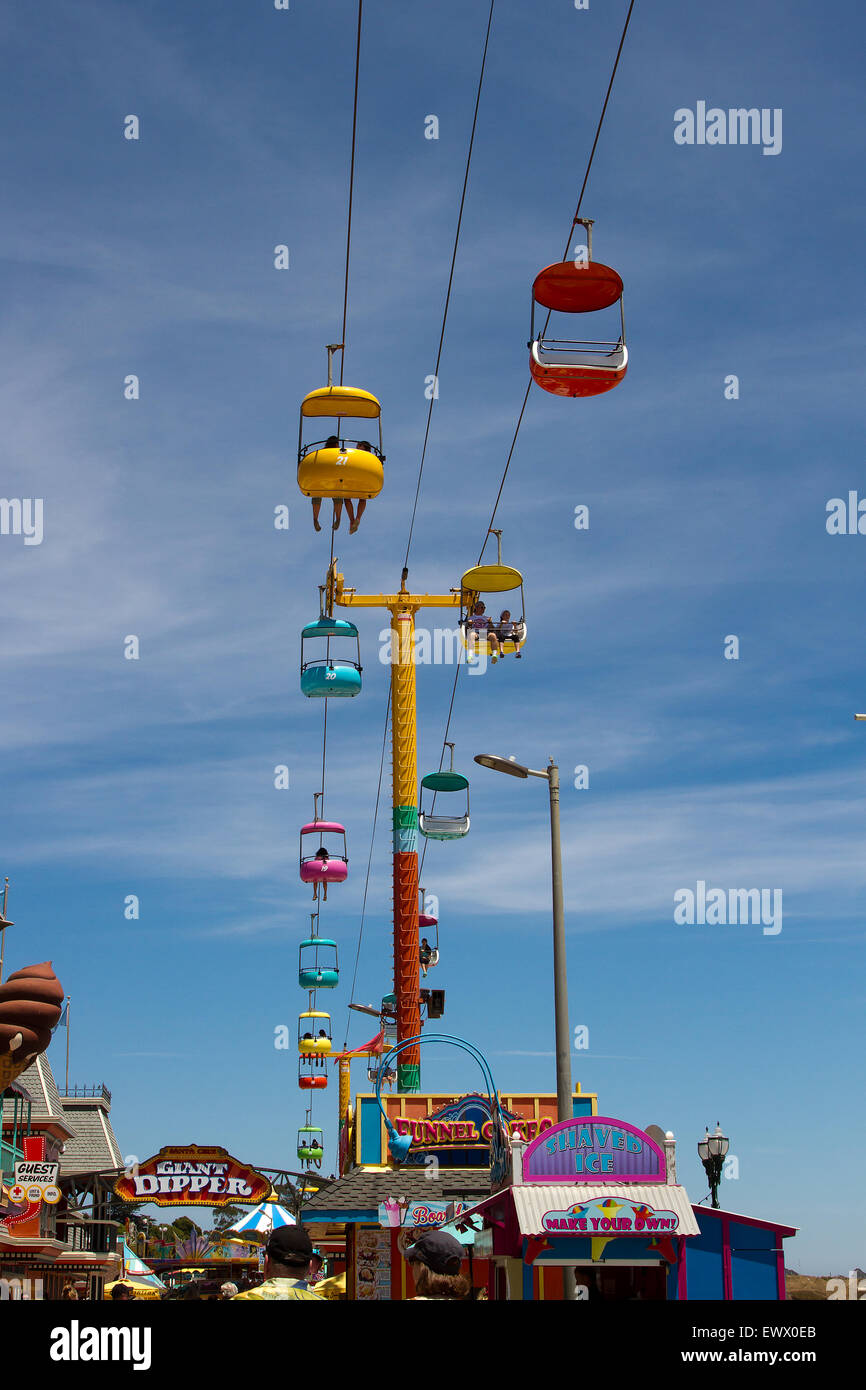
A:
[(373, 1265)]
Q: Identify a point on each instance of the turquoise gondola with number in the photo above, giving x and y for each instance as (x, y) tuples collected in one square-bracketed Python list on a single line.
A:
[(317, 963), (330, 676)]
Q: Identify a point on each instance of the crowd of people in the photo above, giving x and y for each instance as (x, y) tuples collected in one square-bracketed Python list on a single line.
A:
[(291, 1268)]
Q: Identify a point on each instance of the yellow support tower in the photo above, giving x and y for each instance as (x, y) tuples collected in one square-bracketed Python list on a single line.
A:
[(402, 608)]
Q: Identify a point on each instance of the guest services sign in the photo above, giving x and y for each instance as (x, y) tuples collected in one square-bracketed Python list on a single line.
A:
[(35, 1181), (192, 1176)]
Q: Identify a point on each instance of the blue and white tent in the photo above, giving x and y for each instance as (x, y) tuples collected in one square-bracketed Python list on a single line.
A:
[(135, 1268), (267, 1216)]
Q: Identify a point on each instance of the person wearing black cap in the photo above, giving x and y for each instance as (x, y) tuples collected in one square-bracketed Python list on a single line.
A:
[(436, 1258), (288, 1254)]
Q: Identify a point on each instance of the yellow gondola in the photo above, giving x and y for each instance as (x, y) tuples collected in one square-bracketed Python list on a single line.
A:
[(491, 579), (314, 1033), (339, 467)]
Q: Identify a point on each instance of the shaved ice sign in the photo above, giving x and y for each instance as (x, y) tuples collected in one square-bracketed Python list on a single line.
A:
[(192, 1176), (595, 1149)]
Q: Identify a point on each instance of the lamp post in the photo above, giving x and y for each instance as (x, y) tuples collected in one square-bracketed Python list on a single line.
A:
[(560, 979), (711, 1151), (564, 1107)]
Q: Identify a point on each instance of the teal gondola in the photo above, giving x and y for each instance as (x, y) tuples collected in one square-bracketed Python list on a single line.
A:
[(318, 967), (437, 827), (388, 1019), (329, 677)]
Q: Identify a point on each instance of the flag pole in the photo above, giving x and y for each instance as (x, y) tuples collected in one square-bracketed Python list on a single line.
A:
[(67, 1045), (3, 925)]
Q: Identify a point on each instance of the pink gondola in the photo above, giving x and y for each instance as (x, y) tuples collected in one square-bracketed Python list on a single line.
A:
[(320, 865)]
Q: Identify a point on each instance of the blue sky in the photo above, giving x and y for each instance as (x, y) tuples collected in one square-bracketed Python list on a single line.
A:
[(707, 518)]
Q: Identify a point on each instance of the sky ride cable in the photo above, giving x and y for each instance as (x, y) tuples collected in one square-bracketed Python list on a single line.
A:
[(342, 362), (429, 409), (369, 863), (564, 255), (321, 812), (450, 276), (524, 403), (351, 188), (438, 359), (345, 314)]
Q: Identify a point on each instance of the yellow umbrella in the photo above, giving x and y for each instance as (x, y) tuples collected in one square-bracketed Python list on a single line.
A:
[(138, 1290)]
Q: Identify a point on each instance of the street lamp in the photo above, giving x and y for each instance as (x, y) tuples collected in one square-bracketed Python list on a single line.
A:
[(711, 1151), (560, 981)]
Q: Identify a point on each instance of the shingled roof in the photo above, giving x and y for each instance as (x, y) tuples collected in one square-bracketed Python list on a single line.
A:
[(362, 1189), (38, 1081), (92, 1146)]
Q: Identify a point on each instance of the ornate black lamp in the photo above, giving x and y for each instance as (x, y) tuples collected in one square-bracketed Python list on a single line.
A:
[(711, 1151)]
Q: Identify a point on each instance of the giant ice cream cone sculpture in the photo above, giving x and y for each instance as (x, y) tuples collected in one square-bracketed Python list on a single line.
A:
[(31, 1001)]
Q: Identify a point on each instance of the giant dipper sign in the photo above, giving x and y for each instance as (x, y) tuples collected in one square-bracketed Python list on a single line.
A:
[(192, 1176)]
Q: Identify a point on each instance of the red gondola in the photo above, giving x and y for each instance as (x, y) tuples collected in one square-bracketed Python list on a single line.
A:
[(310, 1079), (571, 367)]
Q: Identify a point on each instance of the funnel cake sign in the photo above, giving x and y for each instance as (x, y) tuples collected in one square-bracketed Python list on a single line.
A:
[(597, 1149), (190, 1177)]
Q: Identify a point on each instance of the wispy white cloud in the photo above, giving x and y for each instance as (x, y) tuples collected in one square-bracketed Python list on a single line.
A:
[(149, 1054)]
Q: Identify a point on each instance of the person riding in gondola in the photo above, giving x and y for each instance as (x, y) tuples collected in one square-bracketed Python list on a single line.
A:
[(508, 631), (479, 626), (361, 504), (332, 442), (323, 856), (425, 954)]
